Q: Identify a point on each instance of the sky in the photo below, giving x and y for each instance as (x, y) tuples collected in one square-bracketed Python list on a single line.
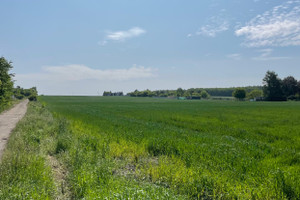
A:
[(85, 47)]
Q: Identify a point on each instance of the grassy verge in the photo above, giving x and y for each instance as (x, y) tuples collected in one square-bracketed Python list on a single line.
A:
[(24, 170), (9, 105)]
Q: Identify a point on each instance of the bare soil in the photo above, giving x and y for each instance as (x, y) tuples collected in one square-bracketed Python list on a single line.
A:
[(9, 120)]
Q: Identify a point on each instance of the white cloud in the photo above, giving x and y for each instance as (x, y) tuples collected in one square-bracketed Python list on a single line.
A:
[(122, 35), (277, 27), (213, 26), (82, 72), (211, 30), (235, 56), (265, 54)]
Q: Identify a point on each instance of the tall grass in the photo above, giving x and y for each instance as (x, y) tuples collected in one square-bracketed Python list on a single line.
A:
[(24, 172)]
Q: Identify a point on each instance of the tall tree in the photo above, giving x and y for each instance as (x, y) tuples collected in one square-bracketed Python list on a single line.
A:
[(272, 87), (289, 86), (179, 92), (6, 82)]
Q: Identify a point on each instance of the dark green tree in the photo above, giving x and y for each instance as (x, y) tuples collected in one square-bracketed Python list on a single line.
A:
[(239, 93), (272, 87), (179, 92), (289, 86), (32, 94), (6, 82)]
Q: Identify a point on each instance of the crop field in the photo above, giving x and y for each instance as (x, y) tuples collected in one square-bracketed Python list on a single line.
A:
[(148, 148), (121, 147)]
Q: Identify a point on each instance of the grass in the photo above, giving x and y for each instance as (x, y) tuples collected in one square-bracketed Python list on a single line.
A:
[(199, 149), (41, 147), (24, 172), (8, 105), (147, 148)]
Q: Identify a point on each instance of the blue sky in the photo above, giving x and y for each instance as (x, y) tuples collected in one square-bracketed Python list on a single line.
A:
[(86, 47)]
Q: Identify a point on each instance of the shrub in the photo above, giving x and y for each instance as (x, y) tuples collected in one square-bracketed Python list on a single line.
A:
[(32, 98)]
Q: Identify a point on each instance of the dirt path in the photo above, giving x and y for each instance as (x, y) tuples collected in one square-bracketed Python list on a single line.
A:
[(9, 120)]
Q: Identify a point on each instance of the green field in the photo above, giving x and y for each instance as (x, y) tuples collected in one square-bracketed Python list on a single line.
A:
[(198, 149), (147, 148)]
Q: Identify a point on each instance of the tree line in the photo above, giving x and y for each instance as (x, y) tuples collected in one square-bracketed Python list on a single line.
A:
[(274, 89), (7, 90), (106, 93), (192, 93)]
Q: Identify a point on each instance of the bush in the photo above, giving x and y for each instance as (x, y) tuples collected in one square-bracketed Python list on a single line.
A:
[(32, 98), (239, 93)]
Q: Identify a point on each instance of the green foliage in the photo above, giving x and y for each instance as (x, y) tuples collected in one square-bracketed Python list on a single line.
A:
[(204, 94), (6, 82), (239, 93), (179, 92), (273, 87), (165, 149), (289, 86), (32, 97), (192, 92), (24, 169), (255, 94), (21, 93)]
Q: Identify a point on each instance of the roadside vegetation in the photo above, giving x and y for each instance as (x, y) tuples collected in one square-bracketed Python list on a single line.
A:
[(24, 172), (8, 94), (6, 84)]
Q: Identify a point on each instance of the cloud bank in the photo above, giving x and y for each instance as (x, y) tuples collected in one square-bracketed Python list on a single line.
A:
[(277, 27), (82, 72)]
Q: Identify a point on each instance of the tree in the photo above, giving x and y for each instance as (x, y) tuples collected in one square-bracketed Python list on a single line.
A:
[(6, 82), (289, 86), (179, 92), (204, 94), (255, 94), (239, 93), (33, 94), (272, 87)]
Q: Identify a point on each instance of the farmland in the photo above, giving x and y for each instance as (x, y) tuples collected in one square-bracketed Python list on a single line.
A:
[(213, 149), (148, 148)]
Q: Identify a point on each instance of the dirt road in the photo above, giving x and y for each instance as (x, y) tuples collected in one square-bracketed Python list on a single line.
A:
[(9, 120)]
